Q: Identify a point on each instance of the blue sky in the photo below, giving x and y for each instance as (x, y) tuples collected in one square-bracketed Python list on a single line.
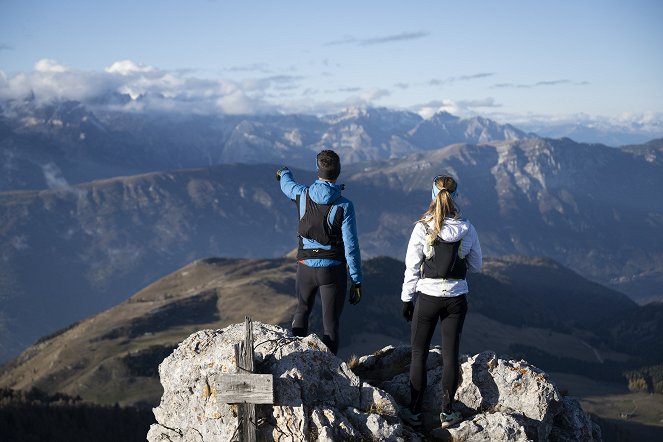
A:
[(502, 59)]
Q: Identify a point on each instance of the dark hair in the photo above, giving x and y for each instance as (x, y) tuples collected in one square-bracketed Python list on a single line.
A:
[(329, 165)]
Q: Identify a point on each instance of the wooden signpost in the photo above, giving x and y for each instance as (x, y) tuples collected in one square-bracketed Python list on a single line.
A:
[(245, 388)]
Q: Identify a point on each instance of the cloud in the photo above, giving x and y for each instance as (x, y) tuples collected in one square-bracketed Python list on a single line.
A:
[(464, 108), (347, 89), (54, 178), (403, 36), (475, 76), (484, 102), (401, 85), (129, 86), (451, 80), (359, 97), (146, 88), (49, 66), (539, 84), (427, 110), (6, 47), (51, 80), (128, 67), (372, 94), (56, 181), (262, 68)]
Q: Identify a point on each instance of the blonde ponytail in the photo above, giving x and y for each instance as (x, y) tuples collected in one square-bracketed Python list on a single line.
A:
[(441, 207)]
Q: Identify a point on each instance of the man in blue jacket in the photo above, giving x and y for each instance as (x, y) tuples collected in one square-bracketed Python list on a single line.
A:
[(327, 242)]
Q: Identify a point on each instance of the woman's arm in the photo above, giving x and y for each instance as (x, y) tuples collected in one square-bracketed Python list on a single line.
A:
[(413, 259)]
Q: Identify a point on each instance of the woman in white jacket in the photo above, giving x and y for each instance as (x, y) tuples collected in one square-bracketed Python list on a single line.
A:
[(442, 248)]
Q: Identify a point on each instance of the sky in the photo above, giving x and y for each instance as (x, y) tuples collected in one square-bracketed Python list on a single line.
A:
[(504, 59)]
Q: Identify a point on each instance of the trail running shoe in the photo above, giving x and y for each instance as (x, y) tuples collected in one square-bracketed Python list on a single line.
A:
[(447, 420), (410, 418)]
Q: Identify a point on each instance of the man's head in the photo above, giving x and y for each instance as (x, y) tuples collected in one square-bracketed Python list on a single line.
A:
[(329, 165)]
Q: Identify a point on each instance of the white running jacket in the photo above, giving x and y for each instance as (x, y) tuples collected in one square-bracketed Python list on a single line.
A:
[(453, 230)]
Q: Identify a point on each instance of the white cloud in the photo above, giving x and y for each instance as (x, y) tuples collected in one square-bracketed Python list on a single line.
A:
[(47, 65), (130, 86), (368, 96), (480, 103), (51, 81), (429, 109), (54, 178), (357, 97), (56, 181), (462, 108), (126, 67), (238, 102), (147, 87)]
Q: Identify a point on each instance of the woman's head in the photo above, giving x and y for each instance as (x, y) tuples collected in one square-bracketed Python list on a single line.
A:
[(442, 205), (444, 182)]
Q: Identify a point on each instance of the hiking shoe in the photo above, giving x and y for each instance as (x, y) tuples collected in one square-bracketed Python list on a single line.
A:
[(410, 418), (447, 420)]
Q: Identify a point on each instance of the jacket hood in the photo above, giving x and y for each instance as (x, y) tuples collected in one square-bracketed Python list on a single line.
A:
[(324, 192), (454, 229)]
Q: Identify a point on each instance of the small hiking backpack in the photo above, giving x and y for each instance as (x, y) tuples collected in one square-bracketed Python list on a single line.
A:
[(444, 263), (322, 224)]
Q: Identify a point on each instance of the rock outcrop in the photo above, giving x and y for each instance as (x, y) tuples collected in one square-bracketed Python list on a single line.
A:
[(318, 397), (502, 400)]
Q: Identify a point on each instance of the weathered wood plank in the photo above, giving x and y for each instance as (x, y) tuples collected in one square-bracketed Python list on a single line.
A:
[(248, 345), (248, 409), (244, 388)]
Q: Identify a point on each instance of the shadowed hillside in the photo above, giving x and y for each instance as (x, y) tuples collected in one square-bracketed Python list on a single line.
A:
[(112, 357)]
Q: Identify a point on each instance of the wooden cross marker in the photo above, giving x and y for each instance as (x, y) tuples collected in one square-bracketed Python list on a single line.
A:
[(245, 388)]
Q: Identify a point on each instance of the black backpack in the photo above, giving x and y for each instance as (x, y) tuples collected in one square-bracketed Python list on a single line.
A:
[(314, 224), (445, 262)]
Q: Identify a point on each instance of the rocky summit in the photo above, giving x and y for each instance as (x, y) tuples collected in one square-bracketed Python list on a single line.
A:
[(319, 397)]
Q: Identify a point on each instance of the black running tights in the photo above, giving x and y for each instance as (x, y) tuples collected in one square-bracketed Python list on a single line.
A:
[(332, 284), (428, 310)]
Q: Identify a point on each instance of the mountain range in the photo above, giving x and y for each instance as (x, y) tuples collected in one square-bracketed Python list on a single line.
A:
[(609, 132), (80, 231), (76, 250), (67, 143)]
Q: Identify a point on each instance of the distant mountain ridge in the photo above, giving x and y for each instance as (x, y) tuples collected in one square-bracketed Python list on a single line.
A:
[(48, 146), (70, 252), (611, 133)]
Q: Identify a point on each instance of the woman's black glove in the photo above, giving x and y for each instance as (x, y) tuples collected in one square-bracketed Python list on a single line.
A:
[(408, 310)]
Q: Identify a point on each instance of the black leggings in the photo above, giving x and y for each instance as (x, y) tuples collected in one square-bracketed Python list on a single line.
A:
[(332, 283), (450, 311)]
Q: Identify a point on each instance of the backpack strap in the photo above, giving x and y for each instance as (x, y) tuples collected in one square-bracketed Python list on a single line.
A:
[(332, 212), (302, 203)]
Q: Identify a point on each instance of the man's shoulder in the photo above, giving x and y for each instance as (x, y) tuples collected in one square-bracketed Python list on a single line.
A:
[(343, 201)]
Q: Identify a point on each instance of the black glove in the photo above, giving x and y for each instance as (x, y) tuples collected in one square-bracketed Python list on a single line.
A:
[(408, 310), (355, 293), (280, 172)]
